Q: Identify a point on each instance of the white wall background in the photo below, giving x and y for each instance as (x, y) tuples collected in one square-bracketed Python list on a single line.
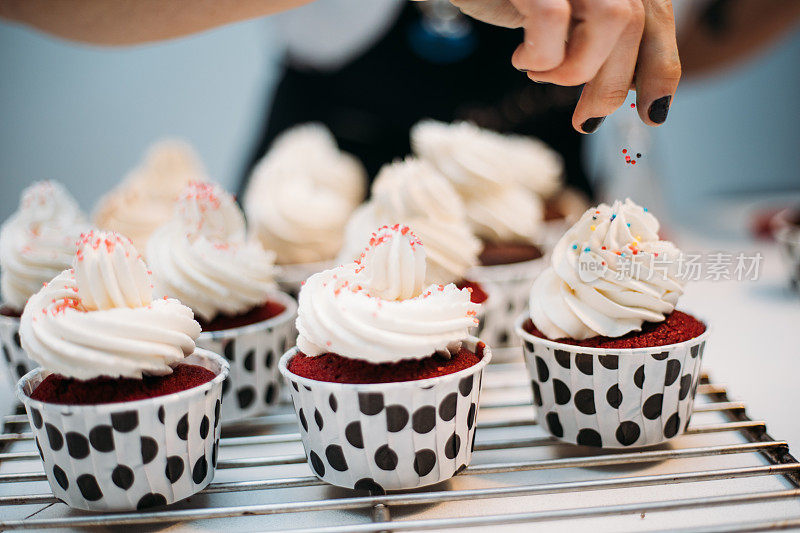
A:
[(84, 115)]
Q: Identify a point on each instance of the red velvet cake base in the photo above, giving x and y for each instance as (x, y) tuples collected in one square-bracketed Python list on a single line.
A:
[(68, 391), (678, 327), (504, 253), (337, 369), (257, 314), (478, 295)]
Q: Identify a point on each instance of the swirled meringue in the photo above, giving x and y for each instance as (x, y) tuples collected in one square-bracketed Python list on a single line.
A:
[(375, 309), (99, 319), (146, 197), (610, 273), (302, 193), (38, 241), (202, 257), (413, 193), (478, 160)]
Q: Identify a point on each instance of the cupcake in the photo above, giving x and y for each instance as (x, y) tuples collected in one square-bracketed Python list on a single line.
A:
[(612, 362), (502, 180), (299, 199), (124, 410), (413, 193), (146, 198), (202, 257), (786, 228), (36, 243), (385, 378)]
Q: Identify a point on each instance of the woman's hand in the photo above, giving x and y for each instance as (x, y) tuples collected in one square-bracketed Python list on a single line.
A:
[(608, 45)]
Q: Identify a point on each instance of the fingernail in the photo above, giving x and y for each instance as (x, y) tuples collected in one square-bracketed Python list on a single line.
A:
[(591, 125), (521, 69), (659, 109)]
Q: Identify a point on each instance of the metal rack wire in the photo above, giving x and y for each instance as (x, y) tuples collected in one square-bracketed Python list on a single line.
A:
[(725, 474)]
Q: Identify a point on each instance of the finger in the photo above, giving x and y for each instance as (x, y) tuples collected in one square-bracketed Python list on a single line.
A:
[(608, 90), (599, 26), (546, 24), (497, 12), (659, 68)]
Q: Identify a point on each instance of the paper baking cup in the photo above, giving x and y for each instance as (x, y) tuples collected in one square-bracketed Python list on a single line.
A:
[(508, 287), (16, 363), (129, 455), (291, 277), (253, 352), (388, 436), (613, 398)]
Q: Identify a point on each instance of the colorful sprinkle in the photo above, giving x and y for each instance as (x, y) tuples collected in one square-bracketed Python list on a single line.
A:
[(593, 227), (574, 246)]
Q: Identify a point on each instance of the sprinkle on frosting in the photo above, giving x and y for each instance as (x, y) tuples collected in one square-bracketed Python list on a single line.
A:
[(604, 279), (377, 308), (99, 317)]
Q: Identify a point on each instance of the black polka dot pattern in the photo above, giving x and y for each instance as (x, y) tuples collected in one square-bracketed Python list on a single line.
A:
[(118, 459), (385, 458), (605, 386), (376, 440), (122, 477), (335, 457), (396, 418), (424, 461), (561, 392), (77, 445), (447, 408), (125, 421), (318, 419), (353, 434)]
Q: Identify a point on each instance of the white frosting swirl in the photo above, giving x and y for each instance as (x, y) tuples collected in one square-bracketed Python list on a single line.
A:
[(478, 160), (610, 273), (99, 318), (146, 198), (413, 193), (301, 194), (201, 256), (510, 214), (375, 311), (38, 241)]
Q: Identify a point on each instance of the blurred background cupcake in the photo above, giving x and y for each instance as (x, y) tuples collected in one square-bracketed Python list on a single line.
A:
[(299, 198), (146, 197), (505, 182), (413, 193), (202, 257), (124, 410), (36, 243)]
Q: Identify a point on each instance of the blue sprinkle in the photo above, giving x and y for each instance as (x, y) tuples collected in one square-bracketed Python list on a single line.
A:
[(613, 217), (587, 249), (645, 210), (622, 254), (629, 224), (574, 246)]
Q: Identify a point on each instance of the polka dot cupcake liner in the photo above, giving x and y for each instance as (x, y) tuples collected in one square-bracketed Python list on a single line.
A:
[(131, 455), (613, 398), (253, 352), (388, 436), (508, 287), (15, 362), (291, 277)]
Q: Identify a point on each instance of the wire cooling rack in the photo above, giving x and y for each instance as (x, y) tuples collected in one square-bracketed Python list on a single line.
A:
[(725, 474)]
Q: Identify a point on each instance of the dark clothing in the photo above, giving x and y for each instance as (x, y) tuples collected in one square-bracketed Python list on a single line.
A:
[(371, 103)]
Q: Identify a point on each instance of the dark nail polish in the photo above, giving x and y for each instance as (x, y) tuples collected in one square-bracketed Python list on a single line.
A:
[(522, 69), (659, 109), (591, 125)]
